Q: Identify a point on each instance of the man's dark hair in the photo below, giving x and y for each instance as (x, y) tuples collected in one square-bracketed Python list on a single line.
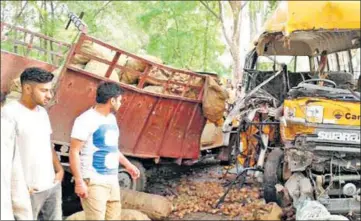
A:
[(36, 75), (2, 97), (106, 91)]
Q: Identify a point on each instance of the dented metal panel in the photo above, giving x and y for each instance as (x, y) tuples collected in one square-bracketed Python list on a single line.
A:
[(150, 125)]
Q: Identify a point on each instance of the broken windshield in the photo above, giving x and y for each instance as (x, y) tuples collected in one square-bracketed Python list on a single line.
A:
[(272, 63)]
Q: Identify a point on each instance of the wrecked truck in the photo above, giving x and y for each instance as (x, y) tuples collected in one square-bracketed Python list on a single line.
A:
[(156, 126), (300, 117)]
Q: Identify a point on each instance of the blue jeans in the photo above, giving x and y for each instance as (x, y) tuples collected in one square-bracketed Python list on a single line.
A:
[(46, 204)]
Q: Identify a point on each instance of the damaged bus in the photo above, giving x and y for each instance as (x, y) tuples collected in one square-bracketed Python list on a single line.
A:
[(300, 117)]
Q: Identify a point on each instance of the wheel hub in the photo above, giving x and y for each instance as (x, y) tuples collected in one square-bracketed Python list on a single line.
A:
[(125, 180)]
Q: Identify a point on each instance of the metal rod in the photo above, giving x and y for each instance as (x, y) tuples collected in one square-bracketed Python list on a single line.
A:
[(35, 34), (79, 24), (239, 103), (221, 200), (112, 66), (342, 177), (265, 123)]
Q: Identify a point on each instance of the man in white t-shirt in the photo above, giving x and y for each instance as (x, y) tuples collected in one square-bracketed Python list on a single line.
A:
[(95, 137), (42, 169), (15, 198)]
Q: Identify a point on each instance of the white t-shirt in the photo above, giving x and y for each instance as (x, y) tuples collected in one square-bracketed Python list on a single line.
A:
[(15, 199), (33, 140), (99, 158)]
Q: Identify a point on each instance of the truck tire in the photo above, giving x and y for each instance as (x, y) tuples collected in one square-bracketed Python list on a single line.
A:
[(272, 176), (125, 180), (70, 201)]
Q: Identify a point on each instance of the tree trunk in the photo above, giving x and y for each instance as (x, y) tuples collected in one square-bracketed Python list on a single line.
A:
[(238, 67), (3, 9), (18, 12), (233, 38), (205, 46), (51, 34), (45, 42)]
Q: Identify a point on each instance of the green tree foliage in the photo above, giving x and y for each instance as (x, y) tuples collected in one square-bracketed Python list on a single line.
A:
[(182, 34), (265, 8)]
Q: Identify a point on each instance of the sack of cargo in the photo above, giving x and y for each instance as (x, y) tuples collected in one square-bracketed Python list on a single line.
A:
[(197, 81), (184, 78), (79, 66), (308, 209), (214, 100), (122, 60), (232, 95), (125, 214), (57, 72), (174, 90), (154, 206), (208, 134), (92, 49), (180, 77), (270, 212), (15, 85), (87, 47), (192, 94), (129, 77), (12, 96), (154, 89), (130, 214), (158, 74), (100, 69)]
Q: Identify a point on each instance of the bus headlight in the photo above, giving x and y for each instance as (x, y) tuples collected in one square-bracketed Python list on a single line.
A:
[(314, 114)]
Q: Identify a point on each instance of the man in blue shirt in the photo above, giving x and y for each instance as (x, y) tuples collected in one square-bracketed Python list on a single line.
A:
[(95, 134)]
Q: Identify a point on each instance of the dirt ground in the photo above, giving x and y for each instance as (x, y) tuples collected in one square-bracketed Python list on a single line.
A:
[(173, 181), (171, 175), (194, 191)]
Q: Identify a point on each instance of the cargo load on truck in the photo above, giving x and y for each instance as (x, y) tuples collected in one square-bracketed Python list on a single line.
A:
[(214, 96), (163, 113)]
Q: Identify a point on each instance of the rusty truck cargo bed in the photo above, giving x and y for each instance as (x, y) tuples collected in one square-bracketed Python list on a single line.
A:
[(151, 125)]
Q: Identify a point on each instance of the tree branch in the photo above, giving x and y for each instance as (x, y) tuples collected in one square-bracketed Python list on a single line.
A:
[(237, 27), (191, 60), (20, 13), (22, 10), (210, 10), (101, 9), (221, 15), (205, 45), (244, 5), (177, 27)]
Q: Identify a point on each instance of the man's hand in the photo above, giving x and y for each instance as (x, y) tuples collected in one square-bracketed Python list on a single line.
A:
[(134, 171), (59, 171), (81, 189), (59, 176)]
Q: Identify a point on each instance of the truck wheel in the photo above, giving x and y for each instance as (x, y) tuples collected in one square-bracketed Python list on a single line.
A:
[(70, 201), (125, 180), (272, 176)]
